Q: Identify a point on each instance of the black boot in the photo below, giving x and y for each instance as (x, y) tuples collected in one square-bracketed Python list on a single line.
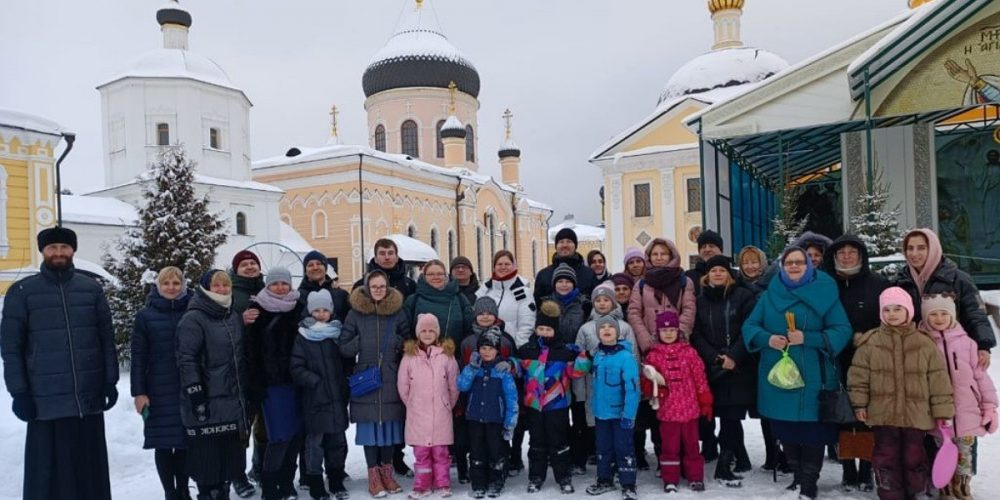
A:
[(849, 477), (336, 480), (792, 455), (269, 489), (865, 481), (317, 489), (724, 470), (398, 465), (462, 468), (810, 464), (742, 460)]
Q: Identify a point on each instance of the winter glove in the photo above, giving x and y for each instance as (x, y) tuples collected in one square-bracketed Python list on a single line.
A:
[(198, 400), (508, 433), (110, 396), (503, 367), (475, 360), (990, 419), (705, 404), (627, 423), (24, 407)]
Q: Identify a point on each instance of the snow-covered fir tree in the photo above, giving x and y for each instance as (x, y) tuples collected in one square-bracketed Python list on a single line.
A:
[(175, 228), (785, 227), (874, 225)]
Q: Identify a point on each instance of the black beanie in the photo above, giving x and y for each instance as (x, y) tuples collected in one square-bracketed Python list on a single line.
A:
[(548, 314), (567, 234), (491, 338), (710, 237), (719, 260), (57, 234)]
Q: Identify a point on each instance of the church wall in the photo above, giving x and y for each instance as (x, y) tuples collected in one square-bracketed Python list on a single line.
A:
[(634, 227), (17, 214), (687, 223), (672, 132)]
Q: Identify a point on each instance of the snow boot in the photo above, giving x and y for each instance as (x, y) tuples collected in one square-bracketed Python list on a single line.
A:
[(478, 494), (534, 487), (388, 480), (399, 465), (697, 486), (316, 487), (724, 471), (566, 488), (375, 487), (243, 488), (600, 487), (629, 493), (810, 465), (743, 464), (335, 480)]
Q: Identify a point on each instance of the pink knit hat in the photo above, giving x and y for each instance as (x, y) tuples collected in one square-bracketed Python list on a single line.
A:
[(895, 296), (428, 321)]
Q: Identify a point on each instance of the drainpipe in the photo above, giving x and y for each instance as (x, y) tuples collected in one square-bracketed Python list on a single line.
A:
[(70, 137), (459, 196), (868, 134), (361, 211), (513, 213)]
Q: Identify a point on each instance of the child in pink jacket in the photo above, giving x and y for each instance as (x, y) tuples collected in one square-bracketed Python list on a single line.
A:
[(975, 395), (427, 386), (683, 396)]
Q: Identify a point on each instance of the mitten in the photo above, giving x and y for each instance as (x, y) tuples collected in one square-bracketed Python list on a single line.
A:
[(198, 400), (503, 367), (990, 419), (705, 404), (24, 407), (110, 396), (508, 433), (627, 423), (475, 360)]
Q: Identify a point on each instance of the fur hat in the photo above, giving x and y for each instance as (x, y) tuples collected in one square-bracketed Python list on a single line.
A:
[(567, 234), (606, 289), (319, 299), (563, 271), (428, 321), (244, 255), (491, 337), (667, 319), (895, 295), (485, 305), (633, 253), (278, 274), (57, 234), (709, 237), (938, 302), (548, 314)]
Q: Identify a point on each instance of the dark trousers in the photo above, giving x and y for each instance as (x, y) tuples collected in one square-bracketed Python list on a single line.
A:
[(706, 433), (170, 466), (680, 444), (517, 442), (329, 448), (460, 448), (280, 464), (645, 420), (614, 446), (730, 434), (259, 443), (900, 462), (487, 454), (581, 436), (549, 445), (66, 459)]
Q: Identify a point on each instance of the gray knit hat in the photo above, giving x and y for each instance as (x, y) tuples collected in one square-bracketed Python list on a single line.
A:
[(485, 305), (608, 320), (563, 271), (606, 289), (319, 299), (276, 274)]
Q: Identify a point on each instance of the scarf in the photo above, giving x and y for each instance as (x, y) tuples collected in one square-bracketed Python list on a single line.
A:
[(668, 281), (603, 276), (609, 349), (934, 257), (567, 299), (497, 277), (277, 304), (318, 331), (808, 277), (848, 272), (223, 300)]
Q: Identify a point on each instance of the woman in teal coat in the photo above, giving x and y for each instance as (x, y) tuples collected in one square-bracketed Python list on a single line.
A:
[(820, 332), (437, 295)]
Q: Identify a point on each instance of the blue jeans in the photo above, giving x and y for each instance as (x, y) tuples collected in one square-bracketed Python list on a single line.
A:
[(614, 446)]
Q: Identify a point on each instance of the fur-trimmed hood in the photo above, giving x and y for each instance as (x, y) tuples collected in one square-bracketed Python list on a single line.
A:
[(447, 346), (363, 303)]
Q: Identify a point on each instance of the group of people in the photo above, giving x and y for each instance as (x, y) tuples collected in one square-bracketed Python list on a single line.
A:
[(582, 360)]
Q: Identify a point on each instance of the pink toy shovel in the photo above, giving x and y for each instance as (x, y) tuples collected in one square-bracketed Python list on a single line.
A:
[(946, 460)]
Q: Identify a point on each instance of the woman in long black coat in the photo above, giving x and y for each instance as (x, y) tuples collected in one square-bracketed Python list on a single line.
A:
[(156, 384), (723, 306)]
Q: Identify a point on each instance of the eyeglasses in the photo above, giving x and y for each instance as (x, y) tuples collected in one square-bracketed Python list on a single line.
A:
[(434, 275), (378, 287), (797, 263)]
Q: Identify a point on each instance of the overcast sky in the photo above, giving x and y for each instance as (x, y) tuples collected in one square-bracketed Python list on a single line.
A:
[(574, 73)]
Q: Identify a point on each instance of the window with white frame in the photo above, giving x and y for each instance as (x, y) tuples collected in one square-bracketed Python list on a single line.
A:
[(319, 224), (641, 200)]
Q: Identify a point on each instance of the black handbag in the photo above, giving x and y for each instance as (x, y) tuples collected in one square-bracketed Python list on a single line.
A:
[(834, 405)]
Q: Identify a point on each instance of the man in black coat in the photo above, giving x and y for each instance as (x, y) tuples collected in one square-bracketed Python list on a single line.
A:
[(566, 243), (387, 260), (468, 283), (315, 267), (710, 244), (61, 367)]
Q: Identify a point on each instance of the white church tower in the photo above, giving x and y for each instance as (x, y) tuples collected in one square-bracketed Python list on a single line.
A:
[(172, 97)]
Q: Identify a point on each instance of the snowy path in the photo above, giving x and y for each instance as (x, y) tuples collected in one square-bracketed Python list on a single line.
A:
[(134, 474)]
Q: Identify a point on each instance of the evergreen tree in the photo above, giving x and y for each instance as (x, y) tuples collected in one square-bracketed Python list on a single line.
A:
[(175, 228), (877, 227), (785, 227)]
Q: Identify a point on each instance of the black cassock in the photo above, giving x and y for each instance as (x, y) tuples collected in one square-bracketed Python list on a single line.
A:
[(66, 459)]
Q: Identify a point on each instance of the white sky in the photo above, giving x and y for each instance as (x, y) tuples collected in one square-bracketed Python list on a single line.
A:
[(574, 73)]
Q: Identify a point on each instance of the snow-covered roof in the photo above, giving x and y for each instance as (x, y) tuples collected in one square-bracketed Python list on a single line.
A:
[(720, 69), (410, 249), (98, 210), (419, 34), (583, 231), (292, 239), (23, 121), (176, 63), (651, 150), (453, 123), (218, 181), (93, 267), (509, 145)]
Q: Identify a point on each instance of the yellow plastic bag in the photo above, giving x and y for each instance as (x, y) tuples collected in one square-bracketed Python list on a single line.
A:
[(785, 374)]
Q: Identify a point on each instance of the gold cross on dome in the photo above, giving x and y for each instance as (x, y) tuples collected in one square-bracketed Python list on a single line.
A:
[(333, 120), (451, 90), (420, 3), (507, 116)]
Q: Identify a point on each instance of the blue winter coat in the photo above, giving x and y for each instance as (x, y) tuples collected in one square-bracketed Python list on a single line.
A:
[(492, 395), (616, 383), (821, 317), (58, 344), (154, 368)]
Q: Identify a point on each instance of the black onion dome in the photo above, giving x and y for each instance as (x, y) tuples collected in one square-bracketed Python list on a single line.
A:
[(173, 13), (419, 55), (509, 149)]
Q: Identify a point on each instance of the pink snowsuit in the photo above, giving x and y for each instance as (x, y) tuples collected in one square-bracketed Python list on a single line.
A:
[(427, 386), (975, 394)]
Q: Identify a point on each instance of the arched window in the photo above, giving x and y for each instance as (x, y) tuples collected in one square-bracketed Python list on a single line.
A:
[(410, 138), (380, 138), (470, 144), (162, 134), (411, 231), (440, 144), (479, 250), (213, 138), (241, 223), (319, 224), (451, 245), (434, 239)]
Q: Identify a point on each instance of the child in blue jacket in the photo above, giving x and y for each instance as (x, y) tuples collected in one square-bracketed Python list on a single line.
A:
[(614, 404), (491, 413)]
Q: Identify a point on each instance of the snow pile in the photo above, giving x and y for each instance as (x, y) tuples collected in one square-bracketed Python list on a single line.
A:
[(453, 123), (293, 240), (18, 120), (98, 210), (410, 249), (177, 63), (722, 68), (583, 231)]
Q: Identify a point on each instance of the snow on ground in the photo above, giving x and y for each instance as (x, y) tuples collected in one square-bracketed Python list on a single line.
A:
[(133, 474)]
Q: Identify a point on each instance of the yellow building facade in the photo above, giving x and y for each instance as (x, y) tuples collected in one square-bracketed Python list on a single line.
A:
[(27, 193)]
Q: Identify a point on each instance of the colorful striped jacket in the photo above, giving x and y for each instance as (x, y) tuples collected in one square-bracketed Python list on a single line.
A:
[(549, 365)]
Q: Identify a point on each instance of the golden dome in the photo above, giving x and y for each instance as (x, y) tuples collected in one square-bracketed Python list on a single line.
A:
[(717, 5), (917, 3)]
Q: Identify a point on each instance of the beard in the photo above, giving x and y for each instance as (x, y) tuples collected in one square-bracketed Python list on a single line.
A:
[(58, 263)]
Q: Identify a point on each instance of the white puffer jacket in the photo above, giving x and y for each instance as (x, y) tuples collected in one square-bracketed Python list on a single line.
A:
[(516, 305)]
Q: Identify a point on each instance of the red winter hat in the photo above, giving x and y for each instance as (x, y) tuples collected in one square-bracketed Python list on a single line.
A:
[(668, 319), (244, 255)]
